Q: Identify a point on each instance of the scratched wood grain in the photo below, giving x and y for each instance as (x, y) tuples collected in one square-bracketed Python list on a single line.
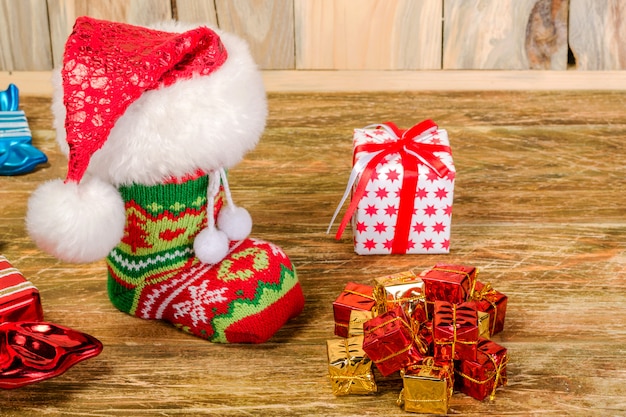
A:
[(195, 11), (597, 34), (539, 208), (370, 34), (267, 25), (546, 35), (505, 34)]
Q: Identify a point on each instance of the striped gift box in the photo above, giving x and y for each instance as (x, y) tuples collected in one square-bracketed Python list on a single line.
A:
[(13, 125), (19, 298), (17, 153)]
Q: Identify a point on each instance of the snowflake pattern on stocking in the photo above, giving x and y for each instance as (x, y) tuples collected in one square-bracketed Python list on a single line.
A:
[(201, 298)]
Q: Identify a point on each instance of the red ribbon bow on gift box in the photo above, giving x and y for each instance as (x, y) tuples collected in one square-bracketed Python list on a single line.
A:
[(34, 351), (409, 144)]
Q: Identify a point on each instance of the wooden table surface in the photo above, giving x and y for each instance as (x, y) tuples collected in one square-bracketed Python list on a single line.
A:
[(539, 207)]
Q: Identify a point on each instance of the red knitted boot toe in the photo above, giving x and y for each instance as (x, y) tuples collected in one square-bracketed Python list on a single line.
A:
[(245, 298)]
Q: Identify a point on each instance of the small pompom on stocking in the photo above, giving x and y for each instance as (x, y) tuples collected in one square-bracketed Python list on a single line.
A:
[(154, 273)]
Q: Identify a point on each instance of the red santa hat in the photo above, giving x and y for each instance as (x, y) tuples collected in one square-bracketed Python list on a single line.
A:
[(106, 67)]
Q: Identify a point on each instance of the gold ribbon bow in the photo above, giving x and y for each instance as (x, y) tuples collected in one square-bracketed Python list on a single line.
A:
[(482, 294)]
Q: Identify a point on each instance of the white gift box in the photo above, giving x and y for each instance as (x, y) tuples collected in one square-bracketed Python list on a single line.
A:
[(402, 186)]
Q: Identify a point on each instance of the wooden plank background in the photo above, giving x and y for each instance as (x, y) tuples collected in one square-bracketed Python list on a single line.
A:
[(63, 13), (352, 34), (394, 34), (24, 36), (598, 33), (505, 34), (267, 25)]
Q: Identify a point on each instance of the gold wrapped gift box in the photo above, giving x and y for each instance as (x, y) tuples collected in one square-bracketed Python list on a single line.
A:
[(403, 289), (427, 387), (349, 368)]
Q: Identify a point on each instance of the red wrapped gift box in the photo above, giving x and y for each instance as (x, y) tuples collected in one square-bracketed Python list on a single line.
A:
[(19, 299), (402, 185), (353, 297), (451, 283), (388, 341), (481, 377), (455, 331), (492, 302)]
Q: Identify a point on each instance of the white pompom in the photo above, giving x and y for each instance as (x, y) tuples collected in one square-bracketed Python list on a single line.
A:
[(235, 222), (76, 222), (211, 245)]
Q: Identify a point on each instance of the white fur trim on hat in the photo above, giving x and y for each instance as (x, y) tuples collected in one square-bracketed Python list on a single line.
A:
[(203, 123)]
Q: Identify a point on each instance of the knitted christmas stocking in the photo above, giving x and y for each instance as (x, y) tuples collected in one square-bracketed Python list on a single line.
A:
[(153, 273)]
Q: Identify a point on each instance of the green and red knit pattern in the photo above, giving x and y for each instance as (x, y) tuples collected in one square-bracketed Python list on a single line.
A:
[(153, 273)]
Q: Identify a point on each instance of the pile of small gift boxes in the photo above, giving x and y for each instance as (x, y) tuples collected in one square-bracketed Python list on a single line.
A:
[(32, 350), (434, 328)]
